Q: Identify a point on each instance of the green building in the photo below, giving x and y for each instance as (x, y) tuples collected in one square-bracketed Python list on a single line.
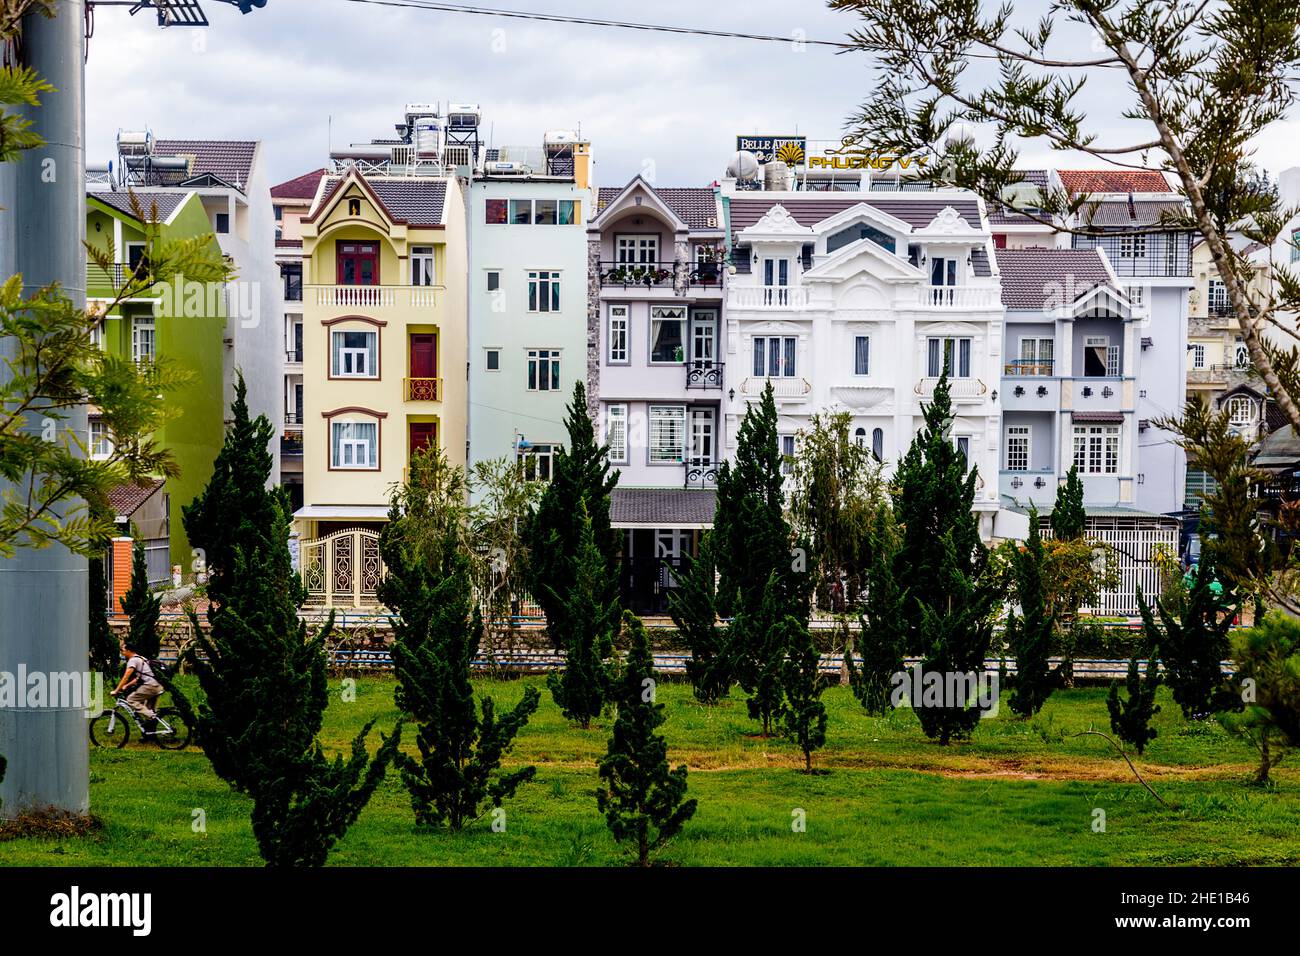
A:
[(183, 322)]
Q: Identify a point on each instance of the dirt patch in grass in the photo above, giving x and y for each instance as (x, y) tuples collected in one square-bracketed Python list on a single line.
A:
[(48, 823)]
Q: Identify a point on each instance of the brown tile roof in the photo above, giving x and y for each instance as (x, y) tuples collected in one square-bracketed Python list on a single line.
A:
[(667, 507), (300, 187), (229, 160), (288, 243), (127, 497), (1033, 277), (416, 202), (693, 205), (1078, 181), (166, 202), (1112, 418)]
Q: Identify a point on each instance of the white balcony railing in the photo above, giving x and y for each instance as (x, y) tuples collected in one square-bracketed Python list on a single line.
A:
[(767, 297), (958, 297), (375, 296), (781, 387), (958, 388)]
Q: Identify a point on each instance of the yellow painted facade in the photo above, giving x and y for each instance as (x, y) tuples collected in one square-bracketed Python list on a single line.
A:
[(372, 385)]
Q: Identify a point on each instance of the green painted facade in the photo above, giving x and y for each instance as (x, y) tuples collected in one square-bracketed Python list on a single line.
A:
[(189, 324)]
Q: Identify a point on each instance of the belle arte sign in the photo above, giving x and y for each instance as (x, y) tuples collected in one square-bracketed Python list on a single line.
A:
[(790, 150)]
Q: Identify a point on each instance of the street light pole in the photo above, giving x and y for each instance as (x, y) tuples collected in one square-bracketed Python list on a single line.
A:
[(43, 593)]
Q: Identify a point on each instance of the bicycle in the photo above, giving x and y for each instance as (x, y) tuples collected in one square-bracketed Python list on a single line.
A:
[(112, 729)]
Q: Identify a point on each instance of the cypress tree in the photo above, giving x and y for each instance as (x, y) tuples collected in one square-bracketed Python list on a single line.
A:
[(952, 597), (804, 719), (750, 533), (142, 606), (884, 618), (1029, 637), (580, 474), (1068, 518), (1192, 641), (760, 643), (693, 607), (642, 799), (262, 676), (586, 614), (1130, 717), (435, 640)]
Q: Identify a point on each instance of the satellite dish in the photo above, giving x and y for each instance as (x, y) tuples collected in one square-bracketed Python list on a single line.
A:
[(961, 134), (743, 166)]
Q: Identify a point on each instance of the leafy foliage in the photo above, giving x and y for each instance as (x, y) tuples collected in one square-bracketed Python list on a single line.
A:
[(580, 476), (1069, 520), (884, 618), (436, 639), (1191, 642), (585, 616), (693, 606), (1130, 717), (1268, 667), (642, 799), (263, 678), (804, 718), (759, 639), (1029, 635)]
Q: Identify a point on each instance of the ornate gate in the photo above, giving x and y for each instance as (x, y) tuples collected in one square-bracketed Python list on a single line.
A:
[(342, 569)]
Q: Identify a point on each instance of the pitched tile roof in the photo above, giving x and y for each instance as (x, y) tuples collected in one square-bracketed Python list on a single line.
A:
[(1033, 277), (415, 201), (666, 507), (229, 160), (693, 205), (126, 498), (1078, 181), (120, 199), (1120, 212), (300, 187)]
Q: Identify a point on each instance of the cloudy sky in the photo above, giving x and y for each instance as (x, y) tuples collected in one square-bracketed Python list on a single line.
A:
[(302, 74)]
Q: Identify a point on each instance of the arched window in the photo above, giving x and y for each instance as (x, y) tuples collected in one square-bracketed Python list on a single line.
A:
[(878, 444), (1241, 410), (860, 436)]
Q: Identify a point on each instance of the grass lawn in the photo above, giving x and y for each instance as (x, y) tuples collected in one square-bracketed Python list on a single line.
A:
[(1020, 793)]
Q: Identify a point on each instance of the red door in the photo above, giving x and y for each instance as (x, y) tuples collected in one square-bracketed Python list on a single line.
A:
[(423, 435), (358, 263), (424, 356)]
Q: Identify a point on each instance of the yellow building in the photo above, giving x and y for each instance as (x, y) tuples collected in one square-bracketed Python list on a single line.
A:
[(1217, 362), (384, 335)]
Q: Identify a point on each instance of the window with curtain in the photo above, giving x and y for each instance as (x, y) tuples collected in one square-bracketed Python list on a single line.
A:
[(355, 354), (861, 355), (668, 334), (878, 443), (354, 445), (948, 355), (774, 356)]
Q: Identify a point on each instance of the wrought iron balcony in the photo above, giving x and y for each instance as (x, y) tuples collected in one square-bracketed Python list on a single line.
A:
[(423, 389), (293, 418), (707, 274), (701, 374), (701, 473), (293, 356), (652, 275)]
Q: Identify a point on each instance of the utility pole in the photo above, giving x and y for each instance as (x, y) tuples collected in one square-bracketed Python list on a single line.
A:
[(43, 593)]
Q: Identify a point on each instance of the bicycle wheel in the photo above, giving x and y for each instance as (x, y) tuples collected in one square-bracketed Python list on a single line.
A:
[(110, 729), (172, 732)]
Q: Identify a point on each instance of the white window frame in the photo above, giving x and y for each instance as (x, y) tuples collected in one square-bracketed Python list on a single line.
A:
[(1014, 435), (616, 432), (100, 445), (1112, 360), (785, 370), (1133, 247), (668, 313), (540, 281), (139, 325), (1238, 420), (618, 330), (658, 417), (786, 447), (956, 342), (487, 352), (1136, 295), (537, 462), (1198, 355), (702, 422), (343, 353), (1031, 353), (340, 447), (631, 249), (423, 266), (97, 334), (1099, 446), (548, 359)]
